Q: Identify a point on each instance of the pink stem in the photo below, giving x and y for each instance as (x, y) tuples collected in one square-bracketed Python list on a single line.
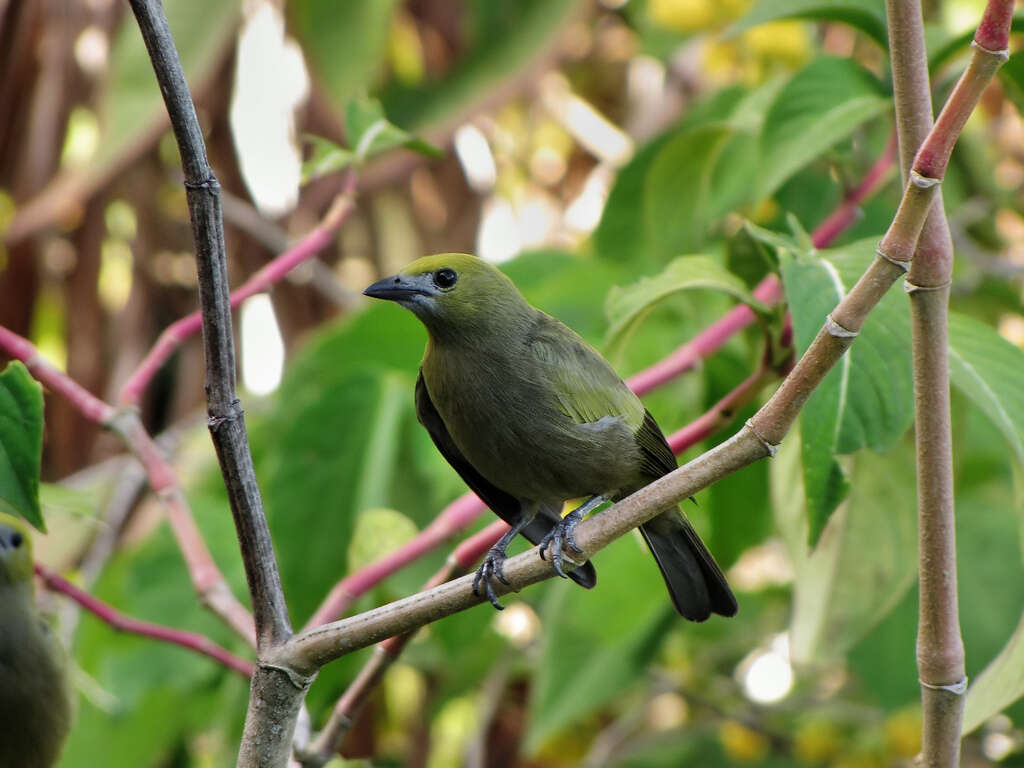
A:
[(848, 211), (117, 620), (90, 406), (273, 272)]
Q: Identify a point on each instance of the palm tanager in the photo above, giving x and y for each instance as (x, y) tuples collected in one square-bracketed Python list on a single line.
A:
[(530, 415)]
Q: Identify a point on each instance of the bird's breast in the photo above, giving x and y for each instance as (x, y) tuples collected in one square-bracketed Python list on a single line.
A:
[(510, 427)]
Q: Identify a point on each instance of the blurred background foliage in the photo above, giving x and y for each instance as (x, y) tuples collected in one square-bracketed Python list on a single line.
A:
[(587, 145)]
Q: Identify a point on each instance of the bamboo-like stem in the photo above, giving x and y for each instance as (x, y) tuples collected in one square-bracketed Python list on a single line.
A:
[(940, 650), (209, 582), (118, 621), (273, 272)]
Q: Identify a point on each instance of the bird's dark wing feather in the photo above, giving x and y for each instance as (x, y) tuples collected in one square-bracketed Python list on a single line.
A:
[(658, 458), (503, 504)]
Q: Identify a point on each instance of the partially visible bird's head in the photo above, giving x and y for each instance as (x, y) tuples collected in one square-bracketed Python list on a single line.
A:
[(15, 552), (452, 291)]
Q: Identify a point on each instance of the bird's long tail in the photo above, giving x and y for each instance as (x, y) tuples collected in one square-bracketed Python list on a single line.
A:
[(695, 582)]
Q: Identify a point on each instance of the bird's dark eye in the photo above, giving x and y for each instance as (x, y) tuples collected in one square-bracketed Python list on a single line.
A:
[(445, 278), (16, 540)]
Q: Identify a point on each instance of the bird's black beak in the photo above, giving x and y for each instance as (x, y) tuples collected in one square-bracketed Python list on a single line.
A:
[(399, 288)]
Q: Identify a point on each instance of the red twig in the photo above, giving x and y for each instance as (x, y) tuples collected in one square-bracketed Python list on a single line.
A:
[(88, 404), (111, 616), (273, 272), (848, 211)]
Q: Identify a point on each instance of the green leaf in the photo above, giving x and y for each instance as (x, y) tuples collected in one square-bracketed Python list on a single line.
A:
[(378, 532), (696, 177), (131, 103), (21, 443), (344, 43), (326, 157), (864, 562), (627, 306), (371, 134), (866, 399), (496, 41), (866, 15), (822, 105), (587, 660), (987, 369)]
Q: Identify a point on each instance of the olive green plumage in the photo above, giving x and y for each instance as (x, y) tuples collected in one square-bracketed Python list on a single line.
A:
[(35, 709), (530, 415)]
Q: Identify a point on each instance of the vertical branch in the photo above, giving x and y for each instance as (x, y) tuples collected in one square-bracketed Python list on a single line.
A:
[(276, 695), (227, 424), (940, 650)]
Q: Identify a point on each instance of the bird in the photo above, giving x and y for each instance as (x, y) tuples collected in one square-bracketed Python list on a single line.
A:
[(531, 416), (35, 703)]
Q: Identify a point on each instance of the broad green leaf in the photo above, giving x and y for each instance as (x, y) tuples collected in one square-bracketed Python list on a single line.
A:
[(624, 234), (988, 369), (864, 561), (326, 157), (866, 399), (370, 133), (866, 15), (21, 443), (343, 43), (378, 532), (822, 105), (498, 41), (696, 178), (336, 454), (587, 660), (627, 306), (131, 104)]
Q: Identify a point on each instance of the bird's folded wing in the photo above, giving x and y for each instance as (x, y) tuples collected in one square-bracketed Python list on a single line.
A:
[(587, 388)]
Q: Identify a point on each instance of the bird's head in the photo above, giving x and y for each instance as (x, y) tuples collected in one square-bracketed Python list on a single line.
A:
[(453, 293), (15, 552)]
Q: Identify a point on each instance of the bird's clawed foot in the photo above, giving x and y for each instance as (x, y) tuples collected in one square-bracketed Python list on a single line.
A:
[(493, 567), (560, 538)]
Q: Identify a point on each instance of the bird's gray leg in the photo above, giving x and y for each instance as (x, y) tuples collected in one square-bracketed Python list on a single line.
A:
[(561, 535), (493, 565)]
